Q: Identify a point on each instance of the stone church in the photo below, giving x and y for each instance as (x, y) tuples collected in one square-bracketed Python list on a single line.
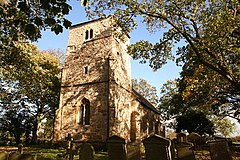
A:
[(97, 100)]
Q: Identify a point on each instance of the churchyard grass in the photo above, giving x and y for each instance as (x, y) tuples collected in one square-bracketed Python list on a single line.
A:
[(46, 153)]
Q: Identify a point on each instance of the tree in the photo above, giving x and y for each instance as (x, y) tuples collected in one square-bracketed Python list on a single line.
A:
[(170, 102), (15, 115), (37, 82), (146, 90), (210, 30), (194, 122), (223, 126)]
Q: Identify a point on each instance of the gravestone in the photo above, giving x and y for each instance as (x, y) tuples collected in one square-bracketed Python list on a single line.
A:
[(133, 151), (185, 152), (173, 149), (86, 152), (4, 156), (14, 156), (219, 150), (116, 147), (27, 156), (181, 137), (70, 151), (157, 148), (195, 138)]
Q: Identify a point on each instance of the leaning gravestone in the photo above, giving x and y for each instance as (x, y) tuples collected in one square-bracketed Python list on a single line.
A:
[(219, 150), (116, 147), (157, 148), (86, 152)]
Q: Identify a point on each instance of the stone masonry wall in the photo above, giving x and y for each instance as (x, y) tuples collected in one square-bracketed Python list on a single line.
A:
[(99, 69), (85, 75), (68, 115)]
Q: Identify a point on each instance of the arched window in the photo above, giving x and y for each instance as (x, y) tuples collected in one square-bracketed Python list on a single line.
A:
[(86, 35), (84, 112), (91, 33)]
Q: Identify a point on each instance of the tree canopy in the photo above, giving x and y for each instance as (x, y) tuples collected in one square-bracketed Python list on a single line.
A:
[(31, 90), (210, 32), (146, 90), (194, 122)]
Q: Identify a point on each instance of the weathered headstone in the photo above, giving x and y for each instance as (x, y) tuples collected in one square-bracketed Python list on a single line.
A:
[(195, 138), (157, 148), (133, 151), (181, 137), (14, 156), (219, 150), (86, 152), (69, 149), (27, 156), (116, 147), (4, 156), (173, 149), (185, 152)]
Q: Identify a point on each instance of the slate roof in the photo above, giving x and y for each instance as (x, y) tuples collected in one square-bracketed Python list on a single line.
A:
[(145, 102)]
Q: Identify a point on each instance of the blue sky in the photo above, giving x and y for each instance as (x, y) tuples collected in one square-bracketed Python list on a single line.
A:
[(77, 15)]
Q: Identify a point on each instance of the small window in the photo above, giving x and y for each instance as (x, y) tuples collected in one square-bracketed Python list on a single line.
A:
[(86, 70), (91, 33), (86, 35)]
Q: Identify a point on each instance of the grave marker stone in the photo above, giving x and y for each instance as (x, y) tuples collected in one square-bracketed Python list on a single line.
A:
[(133, 151), (195, 138), (86, 152), (181, 137), (116, 147), (157, 148), (185, 152), (4, 156), (219, 150)]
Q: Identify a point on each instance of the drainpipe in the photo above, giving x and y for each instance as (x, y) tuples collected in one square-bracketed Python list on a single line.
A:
[(108, 102)]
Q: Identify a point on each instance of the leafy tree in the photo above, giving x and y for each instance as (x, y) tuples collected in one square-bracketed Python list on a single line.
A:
[(36, 82), (223, 126), (15, 114), (146, 90), (170, 102), (210, 30), (194, 122), (23, 21)]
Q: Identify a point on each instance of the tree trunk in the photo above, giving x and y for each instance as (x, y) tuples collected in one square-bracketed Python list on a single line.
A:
[(34, 131)]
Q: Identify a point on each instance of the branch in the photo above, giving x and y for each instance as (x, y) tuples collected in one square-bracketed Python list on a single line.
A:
[(199, 56)]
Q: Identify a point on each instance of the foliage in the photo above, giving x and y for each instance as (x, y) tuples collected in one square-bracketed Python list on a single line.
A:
[(170, 102), (23, 20), (35, 82), (210, 58), (223, 126), (194, 122), (146, 90)]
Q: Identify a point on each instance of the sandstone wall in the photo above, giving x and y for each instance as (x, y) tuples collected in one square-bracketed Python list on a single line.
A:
[(67, 121), (98, 68)]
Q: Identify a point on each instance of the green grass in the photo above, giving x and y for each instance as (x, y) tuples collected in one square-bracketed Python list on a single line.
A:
[(237, 143), (49, 153)]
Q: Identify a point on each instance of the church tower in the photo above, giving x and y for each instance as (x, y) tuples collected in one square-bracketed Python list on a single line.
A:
[(96, 83)]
